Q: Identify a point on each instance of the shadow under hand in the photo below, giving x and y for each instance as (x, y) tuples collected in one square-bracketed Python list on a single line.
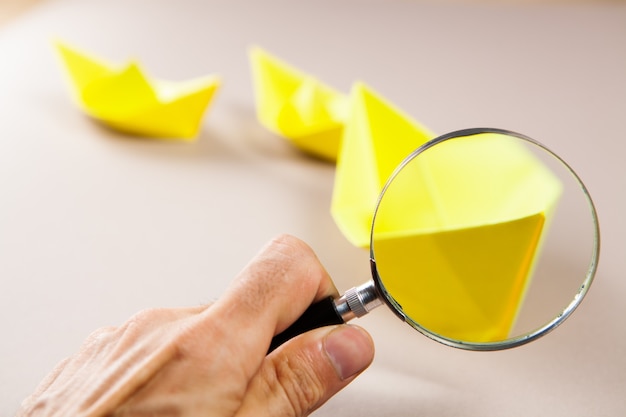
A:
[(381, 392)]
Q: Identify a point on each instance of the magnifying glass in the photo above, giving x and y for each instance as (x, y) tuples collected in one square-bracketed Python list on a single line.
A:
[(481, 239)]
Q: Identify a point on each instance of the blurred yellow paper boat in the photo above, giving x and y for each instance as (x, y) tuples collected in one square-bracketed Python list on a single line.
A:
[(458, 269), (377, 137), (127, 100), (297, 106)]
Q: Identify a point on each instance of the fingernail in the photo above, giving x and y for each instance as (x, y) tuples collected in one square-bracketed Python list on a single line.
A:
[(350, 350)]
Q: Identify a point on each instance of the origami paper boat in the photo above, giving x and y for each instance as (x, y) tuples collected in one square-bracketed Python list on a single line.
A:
[(462, 273), (127, 100), (297, 106)]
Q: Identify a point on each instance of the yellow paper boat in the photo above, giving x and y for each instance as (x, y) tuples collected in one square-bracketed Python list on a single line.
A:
[(462, 273), (127, 100), (297, 106)]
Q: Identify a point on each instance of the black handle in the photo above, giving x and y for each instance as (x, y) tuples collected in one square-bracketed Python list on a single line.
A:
[(323, 313)]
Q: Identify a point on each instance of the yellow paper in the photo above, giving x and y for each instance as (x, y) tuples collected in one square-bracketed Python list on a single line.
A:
[(127, 100), (459, 231), (377, 138), (297, 106)]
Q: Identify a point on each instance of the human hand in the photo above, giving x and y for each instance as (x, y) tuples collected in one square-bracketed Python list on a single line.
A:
[(212, 360)]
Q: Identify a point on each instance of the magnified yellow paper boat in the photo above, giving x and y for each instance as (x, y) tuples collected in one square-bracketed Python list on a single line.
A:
[(297, 106), (459, 264), (127, 100)]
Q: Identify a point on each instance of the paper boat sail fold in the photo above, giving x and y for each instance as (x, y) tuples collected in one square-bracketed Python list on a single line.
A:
[(127, 100), (297, 106), (376, 139), (458, 233)]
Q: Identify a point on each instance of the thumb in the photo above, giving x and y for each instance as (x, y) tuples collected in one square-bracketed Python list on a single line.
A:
[(305, 372)]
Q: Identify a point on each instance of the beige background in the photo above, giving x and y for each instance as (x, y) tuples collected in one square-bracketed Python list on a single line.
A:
[(95, 226)]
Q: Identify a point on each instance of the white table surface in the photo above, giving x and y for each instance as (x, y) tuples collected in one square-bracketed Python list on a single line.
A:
[(95, 226)]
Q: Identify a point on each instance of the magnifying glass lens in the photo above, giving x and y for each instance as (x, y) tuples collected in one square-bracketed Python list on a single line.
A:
[(484, 237)]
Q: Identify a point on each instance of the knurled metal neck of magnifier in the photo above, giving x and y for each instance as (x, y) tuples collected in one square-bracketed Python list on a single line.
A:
[(358, 301)]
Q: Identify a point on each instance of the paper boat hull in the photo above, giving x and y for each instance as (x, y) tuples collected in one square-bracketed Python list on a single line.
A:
[(466, 284)]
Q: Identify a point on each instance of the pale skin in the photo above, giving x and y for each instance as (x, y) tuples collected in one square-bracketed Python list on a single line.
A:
[(212, 360)]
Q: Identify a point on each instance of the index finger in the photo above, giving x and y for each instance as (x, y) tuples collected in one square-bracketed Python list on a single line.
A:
[(273, 290)]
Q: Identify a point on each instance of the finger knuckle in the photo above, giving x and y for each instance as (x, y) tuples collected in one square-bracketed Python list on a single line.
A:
[(147, 315), (289, 243), (302, 388), (274, 267), (141, 323), (101, 333), (285, 256)]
